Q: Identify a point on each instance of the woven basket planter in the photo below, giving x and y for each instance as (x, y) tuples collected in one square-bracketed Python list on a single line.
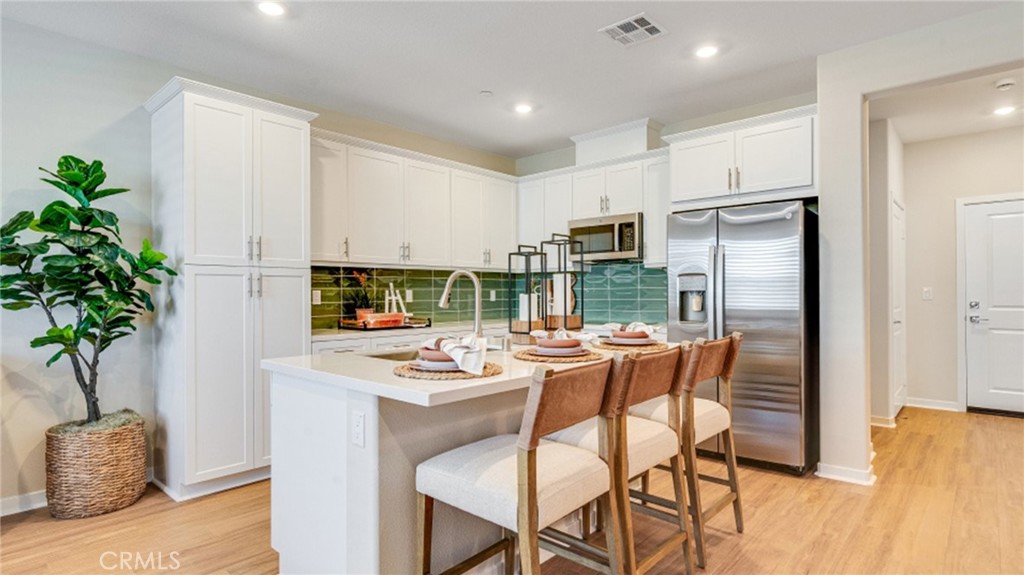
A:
[(95, 471)]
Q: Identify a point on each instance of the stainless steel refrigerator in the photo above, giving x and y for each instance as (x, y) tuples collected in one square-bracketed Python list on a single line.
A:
[(754, 269)]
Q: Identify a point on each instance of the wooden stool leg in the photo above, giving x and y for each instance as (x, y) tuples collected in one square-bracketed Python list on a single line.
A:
[(693, 485), (681, 510), (424, 526), (734, 483), (645, 484), (615, 540), (585, 520), (510, 552)]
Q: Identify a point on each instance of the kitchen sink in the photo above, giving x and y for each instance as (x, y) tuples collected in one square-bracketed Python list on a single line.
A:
[(395, 354)]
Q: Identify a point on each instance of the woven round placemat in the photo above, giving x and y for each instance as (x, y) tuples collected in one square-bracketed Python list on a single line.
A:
[(615, 347), (525, 355), (407, 370)]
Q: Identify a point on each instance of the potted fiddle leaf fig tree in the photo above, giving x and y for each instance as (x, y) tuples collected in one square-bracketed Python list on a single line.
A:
[(91, 291)]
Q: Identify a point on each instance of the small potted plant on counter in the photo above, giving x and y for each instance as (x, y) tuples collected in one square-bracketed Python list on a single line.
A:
[(362, 299), (79, 268)]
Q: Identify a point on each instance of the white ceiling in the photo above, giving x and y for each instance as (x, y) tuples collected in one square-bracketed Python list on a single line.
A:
[(421, 65), (952, 109)]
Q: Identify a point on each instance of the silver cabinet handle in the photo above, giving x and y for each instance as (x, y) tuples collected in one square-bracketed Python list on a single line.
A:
[(607, 205), (259, 286), (737, 178), (248, 249), (897, 322), (249, 279), (730, 178), (259, 248), (346, 247), (978, 319), (408, 251)]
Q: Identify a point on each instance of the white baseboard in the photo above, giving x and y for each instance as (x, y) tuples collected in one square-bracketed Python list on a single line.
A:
[(939, 404), (36, 499), (186, 492), (847, 474), (23, 502), (889, 422)]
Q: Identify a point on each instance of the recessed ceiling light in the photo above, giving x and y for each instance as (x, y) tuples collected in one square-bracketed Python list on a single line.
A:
[(524, 108), (486, 93), (271, 8), (1004, 111), (706, 51)]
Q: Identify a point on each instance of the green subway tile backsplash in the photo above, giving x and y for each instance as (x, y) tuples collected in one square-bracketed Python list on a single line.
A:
[(619, 292)]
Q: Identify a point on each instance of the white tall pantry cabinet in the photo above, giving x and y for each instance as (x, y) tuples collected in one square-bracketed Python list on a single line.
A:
[(231, 208)]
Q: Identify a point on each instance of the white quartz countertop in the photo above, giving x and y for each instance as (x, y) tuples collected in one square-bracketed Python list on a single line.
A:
[(363, 373)]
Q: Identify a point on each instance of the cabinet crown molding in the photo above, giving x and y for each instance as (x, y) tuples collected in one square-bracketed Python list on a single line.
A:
[(792, 113), (621, 128), (568, 171), (177, 84)]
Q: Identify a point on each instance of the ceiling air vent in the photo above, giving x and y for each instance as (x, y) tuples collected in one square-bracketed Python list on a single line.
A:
[(634, 30)]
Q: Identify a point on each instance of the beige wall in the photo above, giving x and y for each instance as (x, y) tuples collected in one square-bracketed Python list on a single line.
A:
[(63, 96), (936, 173)]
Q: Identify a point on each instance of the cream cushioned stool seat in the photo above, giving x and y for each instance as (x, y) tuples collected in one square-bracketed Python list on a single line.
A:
[(709, 417), (480, 478), (650, 442)]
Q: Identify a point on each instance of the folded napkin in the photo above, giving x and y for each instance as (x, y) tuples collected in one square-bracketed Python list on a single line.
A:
[(562, 333), (469, 352)]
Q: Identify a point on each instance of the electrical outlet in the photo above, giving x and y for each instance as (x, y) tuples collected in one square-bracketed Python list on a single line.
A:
[(926, 294), (359, 428), (317, 297), (494, 295), (408, 295)]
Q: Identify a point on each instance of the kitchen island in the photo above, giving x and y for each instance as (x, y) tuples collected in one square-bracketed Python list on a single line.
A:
[(347, 435)]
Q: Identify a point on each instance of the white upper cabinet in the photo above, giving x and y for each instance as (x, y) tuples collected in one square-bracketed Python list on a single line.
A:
[(281, 191), (758, 155), (218, 181), (427, 214), (467, 224), (328, 201), (657, 190), (775, 156), (375, 202), (702, 168), (624, 188), (557, 205), (530, 213), (588, 194), (499, 221)]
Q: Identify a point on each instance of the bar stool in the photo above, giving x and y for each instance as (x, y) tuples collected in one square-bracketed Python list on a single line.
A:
[(640, 445), (525, 483), (702, 419)]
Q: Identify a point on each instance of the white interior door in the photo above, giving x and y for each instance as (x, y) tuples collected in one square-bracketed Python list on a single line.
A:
[(994, 266), (898, 298), (282, 330)]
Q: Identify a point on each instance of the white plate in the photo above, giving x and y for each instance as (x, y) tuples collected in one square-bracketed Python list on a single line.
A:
[(435, 365), (630, 341), (559, 351)]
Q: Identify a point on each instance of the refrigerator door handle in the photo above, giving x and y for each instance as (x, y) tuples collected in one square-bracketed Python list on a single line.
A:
[(719, 308), (711, 299)]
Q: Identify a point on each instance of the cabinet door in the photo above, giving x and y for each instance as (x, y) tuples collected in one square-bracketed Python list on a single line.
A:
[(328, 201), (557, 205), (588, 190), (624, 188), (530, 213), (427, 214), (775, 156), (282, 330), (656, 210), (702, 168), (281, 191), (467, 226), (376, 211), (218, 182), (219, 371), (499, 217)]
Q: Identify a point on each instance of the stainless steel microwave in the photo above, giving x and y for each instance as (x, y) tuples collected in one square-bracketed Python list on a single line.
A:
[(609, 237)]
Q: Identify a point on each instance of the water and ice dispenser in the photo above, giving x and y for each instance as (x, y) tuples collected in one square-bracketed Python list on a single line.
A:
[(693, 297)]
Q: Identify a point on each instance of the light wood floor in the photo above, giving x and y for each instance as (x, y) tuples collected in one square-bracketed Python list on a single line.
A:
[(949, 499)]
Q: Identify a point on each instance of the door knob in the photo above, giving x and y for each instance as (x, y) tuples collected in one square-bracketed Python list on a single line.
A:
[(974, 304), (977, 319)]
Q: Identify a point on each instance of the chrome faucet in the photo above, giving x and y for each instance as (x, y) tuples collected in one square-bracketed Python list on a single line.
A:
[(447, 295)]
